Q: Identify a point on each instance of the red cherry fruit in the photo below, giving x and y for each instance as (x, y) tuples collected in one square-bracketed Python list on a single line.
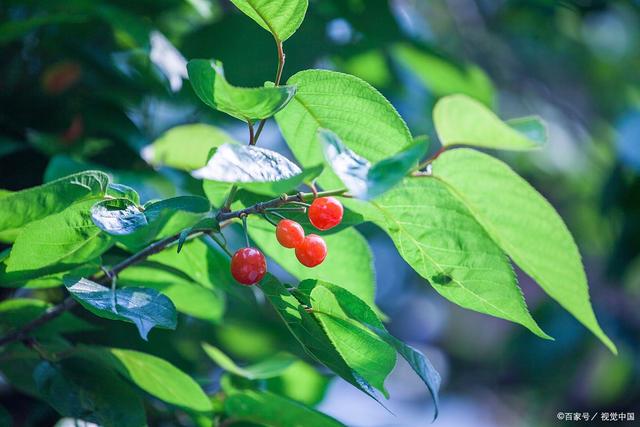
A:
[(289, 233), (248, 266), (325, 213), (312, 251)]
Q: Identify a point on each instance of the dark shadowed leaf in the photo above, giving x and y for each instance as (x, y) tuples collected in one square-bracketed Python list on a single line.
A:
[(257, 169), (363, 180), (146, 308), (16, 312), (118, 216), (270, 410), (248, 104), (84, 389)]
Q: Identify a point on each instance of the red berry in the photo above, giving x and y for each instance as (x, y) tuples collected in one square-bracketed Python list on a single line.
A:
[(312, 251), (248, 266), (325, 213), (289, 233)]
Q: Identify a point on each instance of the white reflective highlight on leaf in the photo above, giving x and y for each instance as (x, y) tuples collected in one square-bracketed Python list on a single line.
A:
[(242, 164), (168, 59), (117, 217), (350, 167)]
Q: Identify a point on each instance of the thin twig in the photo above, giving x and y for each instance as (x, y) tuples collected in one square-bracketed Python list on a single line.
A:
[(68, 303), (281, 61)]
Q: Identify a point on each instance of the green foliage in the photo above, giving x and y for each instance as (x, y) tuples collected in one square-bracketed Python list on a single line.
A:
[(83, 389), (146, 308), (268, 368), (68, 238), (349, 107), (271, 410), (524, 225), (363, 180), (186, 147), (22, 207), (256, 169), (280, 17), (209, 83), (442, 77), (345, 249), (457, 218), (460, 120), (444, 243), (155, 376)]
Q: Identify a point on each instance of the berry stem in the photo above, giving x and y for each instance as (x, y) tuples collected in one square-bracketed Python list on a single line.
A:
[(246, 230)]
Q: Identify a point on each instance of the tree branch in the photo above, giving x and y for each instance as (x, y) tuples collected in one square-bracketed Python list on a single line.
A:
[(23, 332)]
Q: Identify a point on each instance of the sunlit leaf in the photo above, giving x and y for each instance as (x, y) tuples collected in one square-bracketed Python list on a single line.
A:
[(460, 120), (208, 82), (267, 368), (185, 147), (23, 207), (351, 108), (441, 240), (68, 237), (524, 225), (156, 376), (280, 17)]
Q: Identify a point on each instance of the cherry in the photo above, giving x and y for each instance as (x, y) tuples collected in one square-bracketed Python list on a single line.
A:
[(325, 213), (312, 251), (289, 233), (248, 266)]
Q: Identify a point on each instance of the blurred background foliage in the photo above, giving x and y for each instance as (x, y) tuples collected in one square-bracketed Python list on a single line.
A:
[(89, 83)]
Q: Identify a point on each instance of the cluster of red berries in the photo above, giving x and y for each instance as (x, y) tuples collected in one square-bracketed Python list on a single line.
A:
[(248, 265)]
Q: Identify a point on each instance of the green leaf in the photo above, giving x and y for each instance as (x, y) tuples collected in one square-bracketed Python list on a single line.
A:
[(46, 277), (145, 308), (84, 389), (357, 310), (533, 127), (442, 77), (185, 147), (257, 169), (524, 225), (121, 191), (270, 410), (460, 120), (16, 312), (441, 240), (280, 17), (137, 227), (208, 82), (301, 382), (345, 249), (188, 297), (156, 376), (23, 207), (310, 334), (118, 217), (363, 180), (363, 350), (348, 106), (268, 368), (202, 261), (68, 237)]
